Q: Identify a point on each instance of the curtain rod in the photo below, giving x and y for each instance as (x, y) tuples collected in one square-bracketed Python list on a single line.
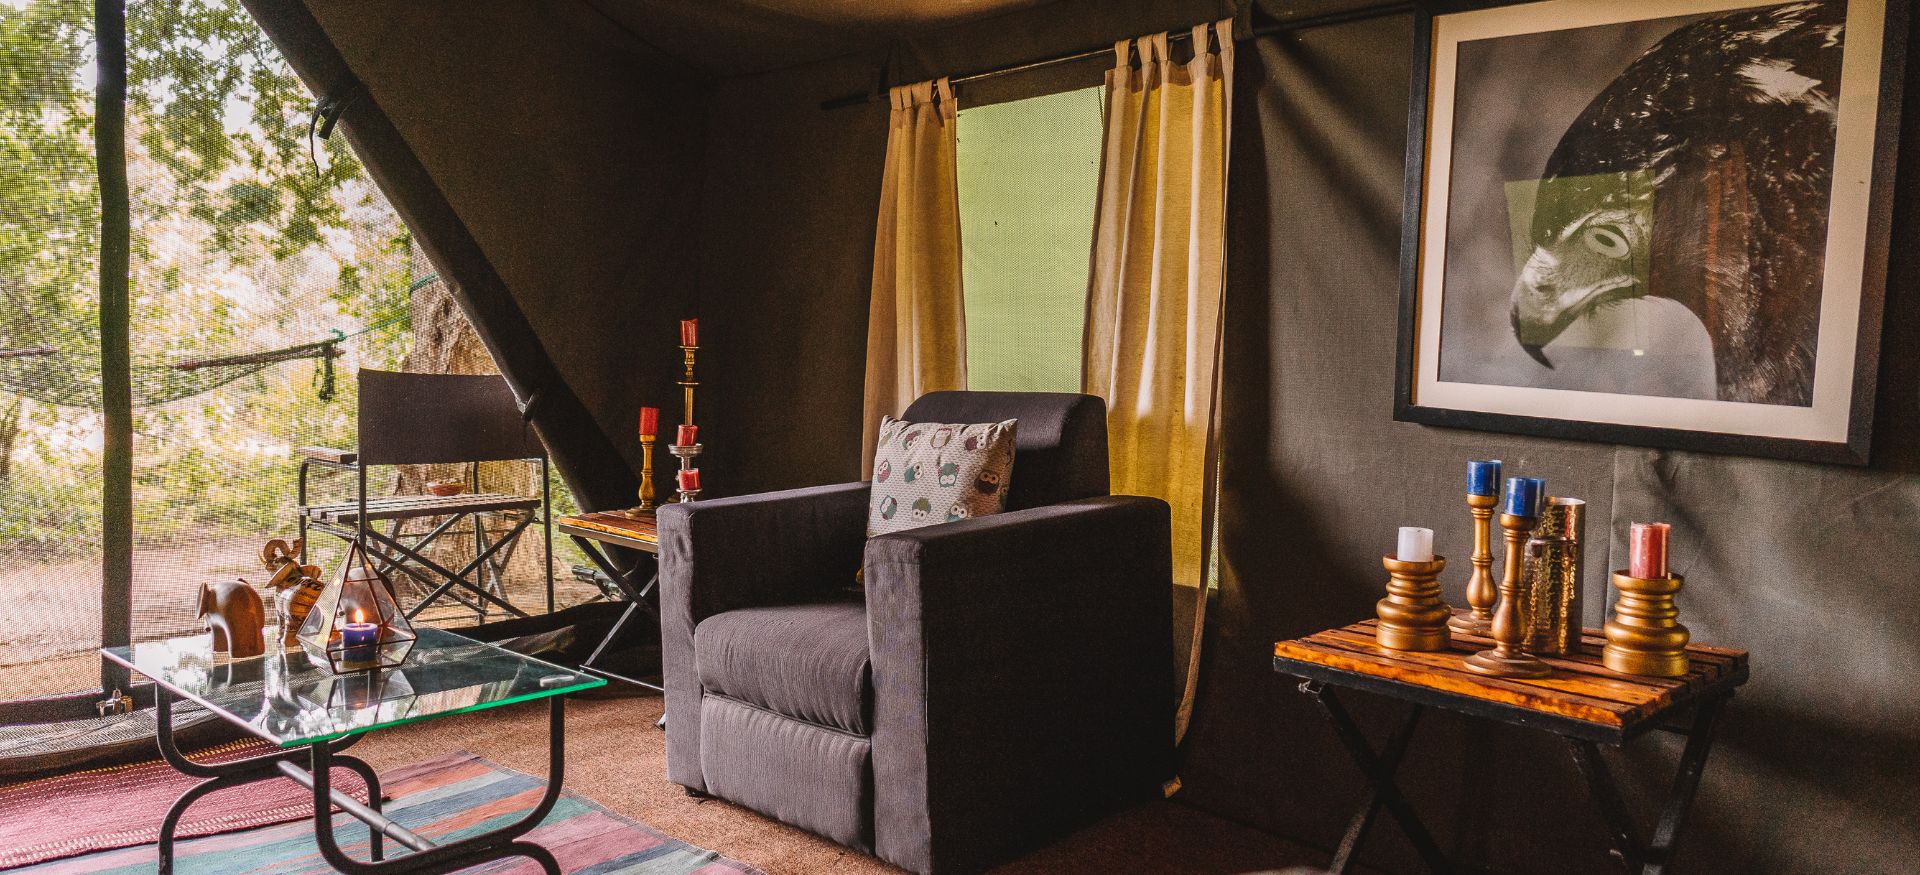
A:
[(1364, 13)]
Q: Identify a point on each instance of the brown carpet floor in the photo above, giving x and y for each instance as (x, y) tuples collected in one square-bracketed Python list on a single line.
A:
[(617, 758)]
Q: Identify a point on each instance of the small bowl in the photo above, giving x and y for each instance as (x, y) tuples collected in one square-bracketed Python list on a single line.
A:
[(444, 488)]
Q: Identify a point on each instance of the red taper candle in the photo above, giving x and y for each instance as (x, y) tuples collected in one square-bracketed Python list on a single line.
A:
[(1647, 550), (689, 332), (687, 436), (649, 421), (690, 480)]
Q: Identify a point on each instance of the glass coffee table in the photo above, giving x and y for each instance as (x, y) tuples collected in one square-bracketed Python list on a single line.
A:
[(315, 714)]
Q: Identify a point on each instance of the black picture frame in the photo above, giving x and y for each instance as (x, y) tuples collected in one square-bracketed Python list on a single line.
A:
[(1854, 449)]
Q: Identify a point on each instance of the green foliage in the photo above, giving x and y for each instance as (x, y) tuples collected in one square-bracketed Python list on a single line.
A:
[(244, 241)]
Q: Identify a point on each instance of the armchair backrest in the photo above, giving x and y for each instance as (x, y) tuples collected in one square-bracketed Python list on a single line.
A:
[(1060, 447)]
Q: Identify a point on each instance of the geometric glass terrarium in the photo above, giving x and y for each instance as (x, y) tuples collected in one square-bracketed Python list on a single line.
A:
[(355, 624)]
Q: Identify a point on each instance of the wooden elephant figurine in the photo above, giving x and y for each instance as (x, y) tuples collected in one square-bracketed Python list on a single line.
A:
[(232, 610)]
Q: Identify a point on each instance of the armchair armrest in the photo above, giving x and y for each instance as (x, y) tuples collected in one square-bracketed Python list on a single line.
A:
[(729, 553), (767, 549), (1022, 665)]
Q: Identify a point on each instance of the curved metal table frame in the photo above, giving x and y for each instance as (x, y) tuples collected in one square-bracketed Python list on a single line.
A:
[(323, 756)]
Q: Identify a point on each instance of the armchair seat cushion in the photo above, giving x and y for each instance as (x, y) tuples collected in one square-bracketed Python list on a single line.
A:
[(808, 662)]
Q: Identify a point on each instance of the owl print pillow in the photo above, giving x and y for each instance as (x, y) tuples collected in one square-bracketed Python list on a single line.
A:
[(926, 473)]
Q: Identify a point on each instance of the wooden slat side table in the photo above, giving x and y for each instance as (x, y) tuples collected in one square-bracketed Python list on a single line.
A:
[(592, 532), (1582, 701)]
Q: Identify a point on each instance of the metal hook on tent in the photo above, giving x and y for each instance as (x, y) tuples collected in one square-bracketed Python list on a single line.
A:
[(327, 112)]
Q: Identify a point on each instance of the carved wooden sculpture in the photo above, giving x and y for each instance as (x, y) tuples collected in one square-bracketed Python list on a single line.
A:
[(232, 610)]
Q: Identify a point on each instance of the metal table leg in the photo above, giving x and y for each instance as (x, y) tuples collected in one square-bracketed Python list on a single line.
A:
[(1381, 788), (636, 603), (428, 857), (220, 776), (1653, 856)]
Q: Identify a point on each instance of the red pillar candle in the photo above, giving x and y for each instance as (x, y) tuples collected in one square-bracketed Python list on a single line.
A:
[(649, 421), (688, 436), (690, 480), (1647, 550), (689, 332)]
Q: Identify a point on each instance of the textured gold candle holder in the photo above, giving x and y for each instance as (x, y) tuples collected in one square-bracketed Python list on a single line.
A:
[(1481, 591), (1550, 576), (645, 507), (1412, 616), (1645, 636), (1509, 657)]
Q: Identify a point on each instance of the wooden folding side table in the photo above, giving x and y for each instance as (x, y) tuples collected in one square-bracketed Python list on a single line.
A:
[(593, 532), (1582, 702)]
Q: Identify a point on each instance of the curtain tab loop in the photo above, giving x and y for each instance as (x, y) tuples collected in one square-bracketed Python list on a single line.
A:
[(943, 94), (1123, 54)]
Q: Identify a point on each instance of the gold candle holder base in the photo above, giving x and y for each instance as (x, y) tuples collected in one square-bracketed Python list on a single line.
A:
[(1645, 637), (1481, 592), (1412, 616), (1519, 665)]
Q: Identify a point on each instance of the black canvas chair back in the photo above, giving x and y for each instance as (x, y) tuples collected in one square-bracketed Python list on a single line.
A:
[(1060, 447), (425, 419)]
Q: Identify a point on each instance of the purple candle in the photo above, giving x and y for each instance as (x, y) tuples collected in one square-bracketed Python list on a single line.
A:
[(1483, 478), (1524, 495), (358, 638)]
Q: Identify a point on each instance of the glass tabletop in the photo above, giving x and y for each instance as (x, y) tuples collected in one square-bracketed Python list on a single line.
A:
[(285, 699)]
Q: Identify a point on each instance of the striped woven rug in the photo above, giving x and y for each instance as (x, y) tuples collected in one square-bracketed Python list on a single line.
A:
[(444, 800)]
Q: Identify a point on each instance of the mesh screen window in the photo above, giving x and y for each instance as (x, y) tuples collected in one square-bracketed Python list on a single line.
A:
[(1029, 173), (263, 275)]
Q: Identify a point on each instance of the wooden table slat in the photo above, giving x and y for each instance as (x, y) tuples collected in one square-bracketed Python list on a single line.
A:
[(1581, 687), (642, 532), (1503, 690), (1567, 677)]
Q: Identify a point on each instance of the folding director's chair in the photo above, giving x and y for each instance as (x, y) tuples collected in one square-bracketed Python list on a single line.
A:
[(431, 419)]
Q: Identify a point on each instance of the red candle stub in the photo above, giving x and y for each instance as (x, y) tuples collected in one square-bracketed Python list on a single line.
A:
[(649, 421), (690, 480), (1647, 550), (689, 332), (688, 435)]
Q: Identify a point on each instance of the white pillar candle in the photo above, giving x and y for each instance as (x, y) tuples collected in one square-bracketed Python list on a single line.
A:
[(1416, 545)]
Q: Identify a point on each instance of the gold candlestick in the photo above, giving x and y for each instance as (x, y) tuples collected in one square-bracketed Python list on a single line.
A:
[(1509, 658), (1645, 637), (1412, 616), (1481, 592), (645, 508), (687, 382)]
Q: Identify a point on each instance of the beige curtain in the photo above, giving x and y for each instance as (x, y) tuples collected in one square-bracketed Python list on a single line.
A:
[(916, 324), (1153, 307)]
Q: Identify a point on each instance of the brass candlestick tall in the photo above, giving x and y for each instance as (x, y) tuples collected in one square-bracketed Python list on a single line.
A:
[(1645, 637), (687, 381), (645, 507), (1412, 616), (1509, 658), (1481, 592)]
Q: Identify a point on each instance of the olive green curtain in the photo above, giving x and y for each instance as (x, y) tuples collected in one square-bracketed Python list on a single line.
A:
[(1153, 306), (916, 324)]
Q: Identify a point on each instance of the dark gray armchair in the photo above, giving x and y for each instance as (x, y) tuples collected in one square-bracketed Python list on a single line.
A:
[(1005, 679)]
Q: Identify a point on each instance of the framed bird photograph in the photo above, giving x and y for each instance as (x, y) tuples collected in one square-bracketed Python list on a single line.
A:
[(1656, 222)]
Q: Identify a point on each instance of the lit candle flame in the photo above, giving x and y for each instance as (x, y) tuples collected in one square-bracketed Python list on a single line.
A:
[(359, 616)]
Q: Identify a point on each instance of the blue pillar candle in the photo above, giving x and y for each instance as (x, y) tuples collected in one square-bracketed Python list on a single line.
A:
[(1483, 478), (1524, 495)]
